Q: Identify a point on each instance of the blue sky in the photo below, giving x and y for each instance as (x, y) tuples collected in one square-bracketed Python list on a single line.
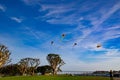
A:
[(27, 27)]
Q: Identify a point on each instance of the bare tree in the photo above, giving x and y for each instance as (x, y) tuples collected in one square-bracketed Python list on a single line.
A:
[(55, 62), (4, 55), (28, 65)]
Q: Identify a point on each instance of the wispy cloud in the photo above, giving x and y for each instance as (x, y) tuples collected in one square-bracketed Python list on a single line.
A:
[(60, 14), (2, 8), (113, 52), (86, 37), (18, 20), (19, 50), (31, 2), (98, 23), (89, 40), (39, 35), (70, 13), (111, 34), (114, 27), (106, 61), (70, 19), (55, 10), (32, 33)]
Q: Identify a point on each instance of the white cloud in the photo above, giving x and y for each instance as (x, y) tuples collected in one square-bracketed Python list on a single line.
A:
[(55, 9), (97, 23), (31, 2), (70, 19), (87, 41), (19, 20), (100, 63), (113, 52), (2, 8), (71, 58), (59, 13), (19, 50), (114, 27), (106, 61), (39, 35), (111, 34)]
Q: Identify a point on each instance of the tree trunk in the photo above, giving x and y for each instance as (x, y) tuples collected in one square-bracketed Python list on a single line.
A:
[(54, 72)]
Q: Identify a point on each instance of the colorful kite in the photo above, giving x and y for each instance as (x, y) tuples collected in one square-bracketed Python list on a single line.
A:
[(74, 44), (52, 42), (98, 45), (63, 35)]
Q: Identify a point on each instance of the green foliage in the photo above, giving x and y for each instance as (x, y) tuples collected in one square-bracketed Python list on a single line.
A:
[(28, 65), (54, 78), (44, 69), (4, 55), (10, 70), (55, 62)]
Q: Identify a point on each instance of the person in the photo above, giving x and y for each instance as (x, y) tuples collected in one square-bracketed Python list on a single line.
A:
[(111, 75)]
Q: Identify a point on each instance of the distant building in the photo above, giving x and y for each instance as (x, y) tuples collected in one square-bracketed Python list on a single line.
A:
[(106, 73), (116, 73), (100, 73)]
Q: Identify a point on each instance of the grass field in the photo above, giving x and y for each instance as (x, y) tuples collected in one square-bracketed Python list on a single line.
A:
[(54, 78)]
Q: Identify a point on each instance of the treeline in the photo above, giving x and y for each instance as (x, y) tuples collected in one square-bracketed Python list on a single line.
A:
[(28, 66)]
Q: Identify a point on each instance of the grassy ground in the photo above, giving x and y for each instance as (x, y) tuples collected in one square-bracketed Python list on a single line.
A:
[(54, 78)]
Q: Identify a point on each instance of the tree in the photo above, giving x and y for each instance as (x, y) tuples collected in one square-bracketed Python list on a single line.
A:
[(55, 62), (10, 70), (44, 69), (28, 65), (22, 67), (4, 55)]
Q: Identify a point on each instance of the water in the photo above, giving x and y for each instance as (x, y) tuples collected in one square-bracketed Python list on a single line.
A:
[(76, 72)]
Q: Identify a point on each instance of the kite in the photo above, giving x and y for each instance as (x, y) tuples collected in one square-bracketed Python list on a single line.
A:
[(52, 42), (98, 45), (63, 35), (74, 44)]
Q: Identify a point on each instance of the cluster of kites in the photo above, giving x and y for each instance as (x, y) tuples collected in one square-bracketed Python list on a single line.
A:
[(63, 36)]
